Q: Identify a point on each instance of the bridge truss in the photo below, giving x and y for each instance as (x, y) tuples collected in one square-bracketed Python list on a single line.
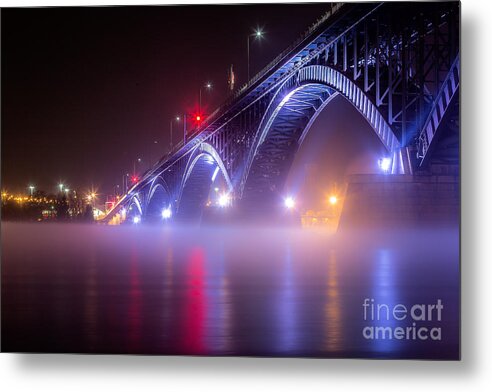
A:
[(397, 63)]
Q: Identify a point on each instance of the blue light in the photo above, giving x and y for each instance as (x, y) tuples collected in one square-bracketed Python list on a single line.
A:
[(136, 219), (166, 213), (385, 164)]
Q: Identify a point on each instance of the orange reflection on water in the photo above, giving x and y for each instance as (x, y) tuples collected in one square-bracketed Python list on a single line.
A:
[(333, 318)]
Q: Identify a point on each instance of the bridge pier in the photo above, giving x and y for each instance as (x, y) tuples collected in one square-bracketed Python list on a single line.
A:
[(431, 197)]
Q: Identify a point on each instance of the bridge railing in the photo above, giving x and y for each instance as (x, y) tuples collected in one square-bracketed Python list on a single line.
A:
[(334, 7)]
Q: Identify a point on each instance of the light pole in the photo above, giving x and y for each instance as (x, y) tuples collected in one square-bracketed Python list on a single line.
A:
[(31, 189), (208, 86), (134, 165), (60, 185), (257, 35), (150, 153), (177, 119), (125, 182)]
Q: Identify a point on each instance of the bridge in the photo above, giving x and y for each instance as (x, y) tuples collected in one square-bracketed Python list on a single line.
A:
[(396, 63)]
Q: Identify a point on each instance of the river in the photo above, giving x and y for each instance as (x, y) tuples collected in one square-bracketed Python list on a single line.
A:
[(230, 291)]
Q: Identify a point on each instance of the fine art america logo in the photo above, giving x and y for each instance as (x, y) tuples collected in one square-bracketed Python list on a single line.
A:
[(401, 322)]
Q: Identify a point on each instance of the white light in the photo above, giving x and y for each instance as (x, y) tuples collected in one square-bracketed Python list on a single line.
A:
[(289, 202), (136, 219), (333, 200), (385, 164), (209, 159), (166, 213), (224, 200), (286, 98), (215, 173)]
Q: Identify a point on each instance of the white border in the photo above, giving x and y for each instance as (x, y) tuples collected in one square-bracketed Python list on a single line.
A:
[(134, 373)]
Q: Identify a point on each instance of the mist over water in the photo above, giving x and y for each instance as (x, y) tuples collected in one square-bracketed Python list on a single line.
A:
[(222, 290)]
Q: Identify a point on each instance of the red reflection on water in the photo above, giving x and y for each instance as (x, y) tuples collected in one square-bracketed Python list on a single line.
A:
[(194, 306)]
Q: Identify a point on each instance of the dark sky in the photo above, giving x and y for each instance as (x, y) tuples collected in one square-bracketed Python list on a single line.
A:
[(85, 91)]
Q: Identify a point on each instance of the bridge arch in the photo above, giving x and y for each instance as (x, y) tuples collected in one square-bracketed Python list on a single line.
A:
[(288, 119), (204, 168), (135, 211), (158, 199)]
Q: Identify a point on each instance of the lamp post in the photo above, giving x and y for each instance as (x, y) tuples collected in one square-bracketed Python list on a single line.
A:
[(171, 122), (135, 163), (125, 182), (31, 189), (208, 86), (257, 35), (150, 152)]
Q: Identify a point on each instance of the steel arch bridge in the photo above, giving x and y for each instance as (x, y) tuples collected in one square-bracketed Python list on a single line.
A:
[(396, 63)]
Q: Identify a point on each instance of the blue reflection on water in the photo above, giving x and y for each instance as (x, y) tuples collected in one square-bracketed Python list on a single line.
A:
[(286, 305), (385, 296)]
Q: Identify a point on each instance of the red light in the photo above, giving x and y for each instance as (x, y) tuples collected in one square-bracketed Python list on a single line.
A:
[(198, 118), (134, 179)]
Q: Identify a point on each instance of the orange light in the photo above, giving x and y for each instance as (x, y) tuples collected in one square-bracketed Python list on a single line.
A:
[(333, 200)]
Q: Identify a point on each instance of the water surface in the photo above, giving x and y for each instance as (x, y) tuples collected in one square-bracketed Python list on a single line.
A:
[(223, 291)]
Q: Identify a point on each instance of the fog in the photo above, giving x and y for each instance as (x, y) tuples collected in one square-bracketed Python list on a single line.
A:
[(221, 290)]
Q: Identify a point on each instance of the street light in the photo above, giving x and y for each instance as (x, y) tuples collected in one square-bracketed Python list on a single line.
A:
[(60, 185), (258, 34), (31, 189), (177, 119), (333, 200), (134, 164), (208, 86)]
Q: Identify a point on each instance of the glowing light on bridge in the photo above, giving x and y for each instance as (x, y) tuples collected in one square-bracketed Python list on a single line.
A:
[(385, 164), (214, 176), (224, 200), (197, 118), (166, 213), (134, 179), (136, 220), (289, 202), (333, 200)]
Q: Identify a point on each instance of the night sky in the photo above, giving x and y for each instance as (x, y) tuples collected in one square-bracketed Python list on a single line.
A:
[(85, 91)]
